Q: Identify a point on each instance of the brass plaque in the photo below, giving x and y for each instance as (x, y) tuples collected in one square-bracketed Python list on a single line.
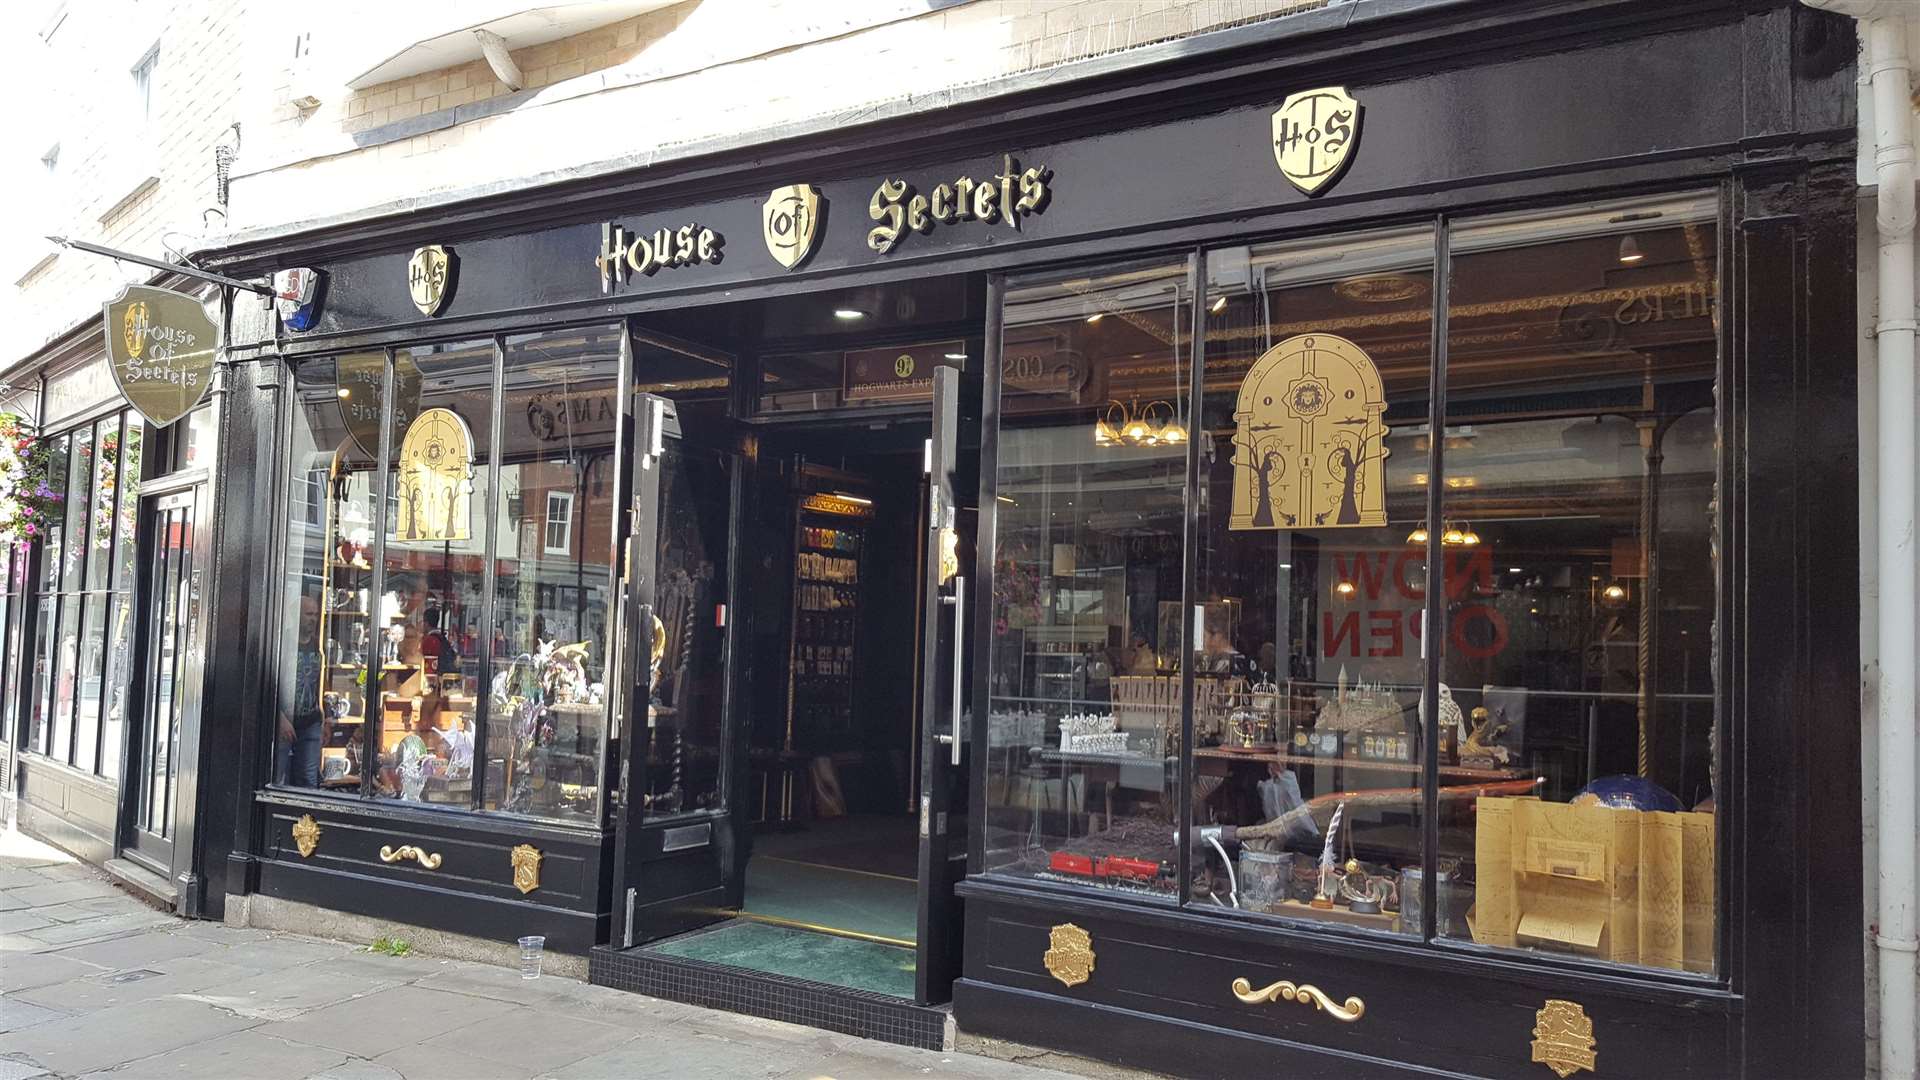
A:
[(1314, 132), (898, 373), (430, 278), (1563, 1038), (1069, 956), (306, 835), (160, 347), (526, 867), (1310, 442), (790, 221), (435, 474)]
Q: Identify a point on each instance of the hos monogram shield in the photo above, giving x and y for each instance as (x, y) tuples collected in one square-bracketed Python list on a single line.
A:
[(1314, 132), (790, 221), (427, 274)]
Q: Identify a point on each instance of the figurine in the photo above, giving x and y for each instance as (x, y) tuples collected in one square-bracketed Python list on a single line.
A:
[(1366, 897), (1480, 746)]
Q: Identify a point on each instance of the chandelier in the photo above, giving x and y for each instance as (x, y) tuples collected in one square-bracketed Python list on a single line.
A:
[(1130, 424), (1452, 534)]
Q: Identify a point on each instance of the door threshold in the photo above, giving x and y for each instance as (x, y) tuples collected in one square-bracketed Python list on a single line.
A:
[(831, 931), (155, 889), (869, 1014)]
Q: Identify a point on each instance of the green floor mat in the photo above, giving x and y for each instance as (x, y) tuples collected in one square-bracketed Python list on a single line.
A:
[(801, 954), (832, 897)]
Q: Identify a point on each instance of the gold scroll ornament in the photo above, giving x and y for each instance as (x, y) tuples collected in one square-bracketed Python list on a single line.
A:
[(1563, 1038), (1069, 956), (306, 835), (1305, 994), (436, 479), (526, 867), (428, 859), (1310, 442)]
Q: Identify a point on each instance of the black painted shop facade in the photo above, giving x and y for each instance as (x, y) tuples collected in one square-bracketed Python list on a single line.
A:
[(1565, 330)]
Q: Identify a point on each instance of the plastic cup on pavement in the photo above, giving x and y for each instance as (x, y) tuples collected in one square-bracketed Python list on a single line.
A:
[(531, 949)]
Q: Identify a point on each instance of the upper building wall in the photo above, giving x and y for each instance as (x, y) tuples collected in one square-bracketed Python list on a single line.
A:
[(653, 86), (115, 144)]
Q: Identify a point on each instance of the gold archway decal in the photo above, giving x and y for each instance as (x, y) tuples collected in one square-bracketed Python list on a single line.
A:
[(1309, 449), (436, 479)]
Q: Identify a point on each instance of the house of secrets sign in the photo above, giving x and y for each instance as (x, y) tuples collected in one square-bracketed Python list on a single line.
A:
[(160, 345)]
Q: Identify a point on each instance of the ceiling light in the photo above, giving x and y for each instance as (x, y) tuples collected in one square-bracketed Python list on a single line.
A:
[(1096, 316), (848, 313), (1630, 250), (1418, 536), (956, 356), (1516, 569), (1615, 592), (1344, 588), (1218, 305), (860, 499), (344, 392)]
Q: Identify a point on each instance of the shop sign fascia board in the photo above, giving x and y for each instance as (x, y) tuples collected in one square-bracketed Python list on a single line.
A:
[(1366, 39)]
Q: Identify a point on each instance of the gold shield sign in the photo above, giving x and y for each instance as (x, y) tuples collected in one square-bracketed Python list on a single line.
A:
[(436, 479), (1563, 1038), (429, 275), (791, 222), (160, 346), (1314, 132), (1069, 955), (1309, 449)]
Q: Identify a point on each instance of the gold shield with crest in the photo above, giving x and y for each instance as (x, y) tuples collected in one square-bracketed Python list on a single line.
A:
[(428, 275), (790, 221), (1314, 132)]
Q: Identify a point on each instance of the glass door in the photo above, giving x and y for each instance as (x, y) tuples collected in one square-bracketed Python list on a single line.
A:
[(168, 670), (675, 833), (947, 613)]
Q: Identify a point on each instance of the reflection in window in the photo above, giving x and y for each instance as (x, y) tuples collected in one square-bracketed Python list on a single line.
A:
[(1581, 452), (553, 595), (1308, 670), (1088, 638)]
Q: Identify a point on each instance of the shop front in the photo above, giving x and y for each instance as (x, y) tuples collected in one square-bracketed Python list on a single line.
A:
[(1276, 559)]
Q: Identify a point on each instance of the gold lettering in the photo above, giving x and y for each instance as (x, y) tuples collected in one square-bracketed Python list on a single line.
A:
[(885, 209), (1033, 190), (1009, 174), (640, 256), (683, 245), (662, 248), (613, 244), (709, 246), (917, 218), (963, 197), (986, 203), (943, 203)]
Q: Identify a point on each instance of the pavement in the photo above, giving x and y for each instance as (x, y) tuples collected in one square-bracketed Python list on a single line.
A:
[(94, 983)]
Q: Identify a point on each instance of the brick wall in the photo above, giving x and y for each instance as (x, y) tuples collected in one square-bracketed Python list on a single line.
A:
[(681, 75), (120, 180)]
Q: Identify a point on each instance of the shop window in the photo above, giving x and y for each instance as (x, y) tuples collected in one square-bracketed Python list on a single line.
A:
[(329, 648), (1307, 665), (553, 609), (559, 535), (1088, 635), (427, 618), (1581, 456), (126, 554)]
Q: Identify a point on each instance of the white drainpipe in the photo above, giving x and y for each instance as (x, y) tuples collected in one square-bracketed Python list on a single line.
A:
[(1884, 26)]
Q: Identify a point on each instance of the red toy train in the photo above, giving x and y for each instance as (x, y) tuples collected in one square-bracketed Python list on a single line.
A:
[(1107, 867)]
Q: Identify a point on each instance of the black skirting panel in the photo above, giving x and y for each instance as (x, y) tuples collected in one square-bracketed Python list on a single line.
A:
[(462, 882), (775, 997), (1161, 996)]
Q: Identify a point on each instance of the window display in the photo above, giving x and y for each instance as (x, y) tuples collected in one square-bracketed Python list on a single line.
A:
[(1087, 637), (1582, 451)]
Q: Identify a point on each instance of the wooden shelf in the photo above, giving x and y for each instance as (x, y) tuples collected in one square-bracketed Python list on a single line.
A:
[(1456, 772)]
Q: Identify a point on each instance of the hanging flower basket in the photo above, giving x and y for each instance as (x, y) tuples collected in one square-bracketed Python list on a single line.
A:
[(28, 503)]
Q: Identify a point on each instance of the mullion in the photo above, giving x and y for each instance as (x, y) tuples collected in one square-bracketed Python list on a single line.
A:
[(114, 542), (1433, 634), (183, 641)]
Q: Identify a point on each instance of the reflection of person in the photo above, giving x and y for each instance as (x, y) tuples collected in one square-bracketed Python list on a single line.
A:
[(1144, 662), (539, 632), (297, 761), (435, 645)]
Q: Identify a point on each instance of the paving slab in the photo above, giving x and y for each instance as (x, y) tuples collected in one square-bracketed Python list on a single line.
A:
[(112, 1037), (19, 971), (284, 995), (124, 987), (439, 1063), (358, 1069), (242, 1054), (20, 1070), (577, 999), (277, 953), (75, 933), (532, 1039), (17, 1013), (61, 892), (138, 950), (385, 1021), (14, 922)]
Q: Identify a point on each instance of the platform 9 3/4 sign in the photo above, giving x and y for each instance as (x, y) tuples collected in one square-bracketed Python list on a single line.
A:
[(160, 345)]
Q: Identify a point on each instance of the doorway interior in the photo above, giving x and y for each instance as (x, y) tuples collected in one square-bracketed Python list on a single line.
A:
[(832, 549)]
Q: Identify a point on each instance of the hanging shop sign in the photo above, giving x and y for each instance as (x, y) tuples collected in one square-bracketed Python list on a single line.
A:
[(359, 381), (160, 346), (790, 221), (648, 253), (296, 296), (430, 278), (1008, 196), (436, 479), (1314, 133), (897, 373), (1310, 442)]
